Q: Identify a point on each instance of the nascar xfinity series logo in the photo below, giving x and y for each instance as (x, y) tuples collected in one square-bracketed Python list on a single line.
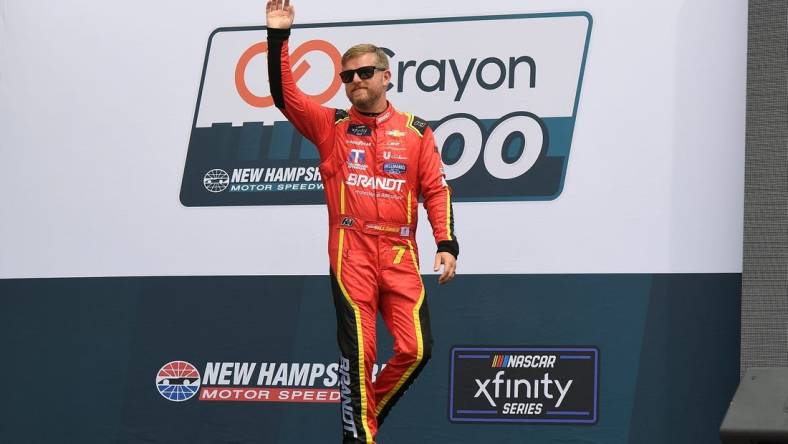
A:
[(524, 384), (503, 109), (310, 382)]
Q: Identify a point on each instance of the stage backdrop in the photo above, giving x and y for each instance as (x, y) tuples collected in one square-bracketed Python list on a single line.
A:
[(162, 244)]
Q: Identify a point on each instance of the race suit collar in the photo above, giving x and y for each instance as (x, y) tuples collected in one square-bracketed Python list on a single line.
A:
[(373, 120)]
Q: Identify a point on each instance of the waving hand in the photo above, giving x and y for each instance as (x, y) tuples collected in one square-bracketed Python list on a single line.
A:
[(279, 14)]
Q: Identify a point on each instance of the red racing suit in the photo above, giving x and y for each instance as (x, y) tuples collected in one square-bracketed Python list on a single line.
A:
[(373, 169)]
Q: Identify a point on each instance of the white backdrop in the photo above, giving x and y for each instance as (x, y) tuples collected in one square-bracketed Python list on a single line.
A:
[(97, 100)]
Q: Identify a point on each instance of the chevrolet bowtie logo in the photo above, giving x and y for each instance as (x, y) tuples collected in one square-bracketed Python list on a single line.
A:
[(395, 133)]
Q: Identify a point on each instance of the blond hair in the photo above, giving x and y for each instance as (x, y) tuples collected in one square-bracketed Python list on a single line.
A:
[(366, 48)]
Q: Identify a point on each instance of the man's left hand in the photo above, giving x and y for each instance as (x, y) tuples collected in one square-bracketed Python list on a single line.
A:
[(449, 266)]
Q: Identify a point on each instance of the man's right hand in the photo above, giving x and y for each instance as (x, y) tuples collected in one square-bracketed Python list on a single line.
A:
[(279, 14)]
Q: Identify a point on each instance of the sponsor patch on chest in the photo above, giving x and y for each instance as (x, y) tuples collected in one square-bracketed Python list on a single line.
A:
[(395, 167), (359, 130)]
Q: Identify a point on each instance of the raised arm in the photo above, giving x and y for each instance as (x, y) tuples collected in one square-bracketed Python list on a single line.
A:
[(315, 122)]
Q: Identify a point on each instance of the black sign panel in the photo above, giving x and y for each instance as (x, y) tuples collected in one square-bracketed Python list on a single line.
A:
[(524, 384)]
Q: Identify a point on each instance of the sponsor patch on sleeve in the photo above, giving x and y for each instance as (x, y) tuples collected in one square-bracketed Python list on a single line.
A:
[(340, 115), (419, 124)]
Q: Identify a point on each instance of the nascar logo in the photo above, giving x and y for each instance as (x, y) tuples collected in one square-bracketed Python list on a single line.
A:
[(524, 361)]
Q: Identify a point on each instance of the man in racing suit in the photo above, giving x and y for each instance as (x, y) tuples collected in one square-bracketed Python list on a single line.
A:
[(375, 162)]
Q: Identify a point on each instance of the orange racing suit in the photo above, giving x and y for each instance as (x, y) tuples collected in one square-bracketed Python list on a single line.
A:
[(374, 169)]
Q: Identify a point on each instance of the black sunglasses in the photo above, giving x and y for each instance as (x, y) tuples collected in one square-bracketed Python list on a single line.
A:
[(364, 73)]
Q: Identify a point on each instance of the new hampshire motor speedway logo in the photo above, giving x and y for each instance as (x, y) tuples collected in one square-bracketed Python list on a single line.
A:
[(556, 385), (310, 382), (178, 381), (500, 92)]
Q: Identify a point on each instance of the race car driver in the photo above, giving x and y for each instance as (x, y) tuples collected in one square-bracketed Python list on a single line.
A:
[(375, 163)]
